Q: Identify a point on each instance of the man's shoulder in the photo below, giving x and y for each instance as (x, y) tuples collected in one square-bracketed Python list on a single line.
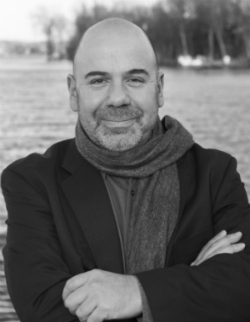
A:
[(208, 169), (208, 155), (41, 162), (204, 160)]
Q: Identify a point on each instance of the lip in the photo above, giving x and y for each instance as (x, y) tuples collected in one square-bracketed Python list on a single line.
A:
[(118, 123)]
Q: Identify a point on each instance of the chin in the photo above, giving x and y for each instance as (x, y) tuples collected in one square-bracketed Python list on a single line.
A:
[(119, 142), (121, 138)]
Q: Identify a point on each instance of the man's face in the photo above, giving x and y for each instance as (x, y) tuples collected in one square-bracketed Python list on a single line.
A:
[(117, 94)]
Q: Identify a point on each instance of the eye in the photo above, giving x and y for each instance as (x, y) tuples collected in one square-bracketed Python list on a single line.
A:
[(98, 81), (135, 81)]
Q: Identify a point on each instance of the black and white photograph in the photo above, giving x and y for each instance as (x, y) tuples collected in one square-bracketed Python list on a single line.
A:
[(125, 160)]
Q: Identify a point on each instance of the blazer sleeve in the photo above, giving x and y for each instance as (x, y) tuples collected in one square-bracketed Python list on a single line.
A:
[(35, 270), (218, 289)]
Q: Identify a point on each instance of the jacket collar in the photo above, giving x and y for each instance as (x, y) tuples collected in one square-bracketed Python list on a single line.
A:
[(86, 192), (184, 173)]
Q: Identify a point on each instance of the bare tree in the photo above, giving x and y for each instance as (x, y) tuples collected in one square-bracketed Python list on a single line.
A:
[(178, 9), (244, 24), (213, 12), (53, 27)]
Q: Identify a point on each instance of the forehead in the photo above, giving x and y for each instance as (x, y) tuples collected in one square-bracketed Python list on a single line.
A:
[(114, 53)]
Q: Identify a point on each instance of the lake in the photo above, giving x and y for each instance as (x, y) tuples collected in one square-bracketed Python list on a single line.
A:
[(213, 105)]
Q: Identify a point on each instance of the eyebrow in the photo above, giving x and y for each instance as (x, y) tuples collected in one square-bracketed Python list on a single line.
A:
[(96, 73), (130, 72), (137, 71)]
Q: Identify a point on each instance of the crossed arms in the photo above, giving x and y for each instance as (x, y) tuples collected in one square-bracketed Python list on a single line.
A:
[(98, 295)]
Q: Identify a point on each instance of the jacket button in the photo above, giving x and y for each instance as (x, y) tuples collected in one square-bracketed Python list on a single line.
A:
[(132, 193)]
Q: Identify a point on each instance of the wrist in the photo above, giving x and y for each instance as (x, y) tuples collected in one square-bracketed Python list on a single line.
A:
[(135, 296)]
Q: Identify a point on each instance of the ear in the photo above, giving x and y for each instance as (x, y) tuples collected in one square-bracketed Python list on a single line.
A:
[(160, 86), (72, 92)]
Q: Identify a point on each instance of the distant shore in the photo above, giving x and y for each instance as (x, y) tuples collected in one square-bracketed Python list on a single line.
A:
[(205, 63), (40, 61)]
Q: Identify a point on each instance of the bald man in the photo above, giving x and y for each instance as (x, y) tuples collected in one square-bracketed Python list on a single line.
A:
[(131, 219)]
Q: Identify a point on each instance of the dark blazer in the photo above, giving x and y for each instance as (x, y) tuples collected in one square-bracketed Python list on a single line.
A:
[(61, 223)]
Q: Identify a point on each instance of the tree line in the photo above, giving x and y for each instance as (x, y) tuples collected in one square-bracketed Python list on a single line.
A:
[(213, 29)]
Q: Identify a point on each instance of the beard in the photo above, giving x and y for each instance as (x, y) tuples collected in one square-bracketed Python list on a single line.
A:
[(118, 138)]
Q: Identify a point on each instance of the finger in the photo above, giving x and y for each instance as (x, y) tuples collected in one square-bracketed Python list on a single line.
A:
[(231, 249), (217, 237), (235, 237), (97, 316), (85, 310), (75, 299), (74, 283), (216, 243), (222, 242)]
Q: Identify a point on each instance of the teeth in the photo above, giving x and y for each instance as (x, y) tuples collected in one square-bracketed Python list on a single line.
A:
[(117, 123)]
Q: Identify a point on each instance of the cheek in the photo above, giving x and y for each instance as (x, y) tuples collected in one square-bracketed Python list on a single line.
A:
[(90, 101), (149, 103)]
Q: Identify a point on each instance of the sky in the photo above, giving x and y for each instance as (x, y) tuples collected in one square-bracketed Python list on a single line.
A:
[(16, 21)]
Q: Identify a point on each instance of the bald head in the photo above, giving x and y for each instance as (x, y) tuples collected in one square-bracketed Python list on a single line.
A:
[(117, 88), (113, 33)]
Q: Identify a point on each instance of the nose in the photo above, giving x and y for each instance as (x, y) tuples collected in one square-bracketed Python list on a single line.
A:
[(118, 95)]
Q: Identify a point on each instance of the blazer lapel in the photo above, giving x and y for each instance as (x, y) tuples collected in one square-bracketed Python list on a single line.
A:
[(184, 173), (86, 192)]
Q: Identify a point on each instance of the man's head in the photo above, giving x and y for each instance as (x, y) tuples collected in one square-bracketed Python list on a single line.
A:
[(116, 88)]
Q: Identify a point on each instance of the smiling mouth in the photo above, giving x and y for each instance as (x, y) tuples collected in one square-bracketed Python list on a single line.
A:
[(118, 123)]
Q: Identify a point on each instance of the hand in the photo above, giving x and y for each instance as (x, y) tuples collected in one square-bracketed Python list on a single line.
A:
[(221, 243), (98, 295)]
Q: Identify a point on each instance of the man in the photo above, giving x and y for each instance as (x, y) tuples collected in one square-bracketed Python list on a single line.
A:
[(111, 225)]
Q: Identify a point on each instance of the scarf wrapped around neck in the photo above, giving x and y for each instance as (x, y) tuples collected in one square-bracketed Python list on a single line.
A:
[(152, 213)]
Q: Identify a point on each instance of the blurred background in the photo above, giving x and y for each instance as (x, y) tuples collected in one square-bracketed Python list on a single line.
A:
[(203, 48)]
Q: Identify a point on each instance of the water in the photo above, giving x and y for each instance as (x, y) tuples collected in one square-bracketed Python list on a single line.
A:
[(215, 107), (34, 113)]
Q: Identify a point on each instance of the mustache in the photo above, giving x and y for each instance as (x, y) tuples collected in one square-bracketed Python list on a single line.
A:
[(123, 112)]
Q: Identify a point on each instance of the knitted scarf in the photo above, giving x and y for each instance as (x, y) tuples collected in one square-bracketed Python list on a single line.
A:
[(152, 213)]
